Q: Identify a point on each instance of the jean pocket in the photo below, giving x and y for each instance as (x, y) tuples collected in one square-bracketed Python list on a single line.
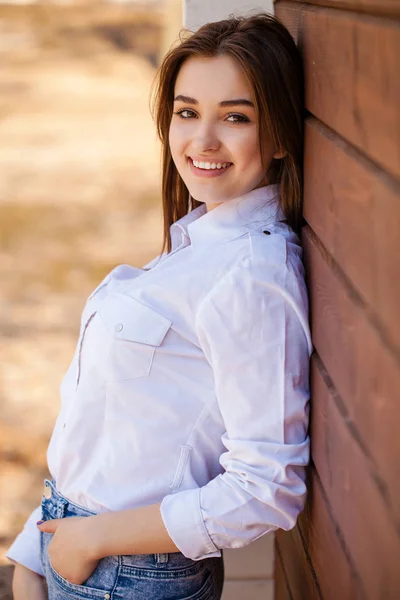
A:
[(99, 584), (193, 582)]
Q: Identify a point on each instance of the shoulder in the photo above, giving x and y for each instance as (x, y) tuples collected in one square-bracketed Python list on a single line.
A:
[(267, 280), (269, 265), (271, 258), (276, 244)]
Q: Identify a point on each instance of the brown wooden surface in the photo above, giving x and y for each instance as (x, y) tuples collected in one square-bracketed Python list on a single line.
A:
[(349, 531), (303, 585), (350, 62), (354, 209), (282, 591), (373, 7), (357, 505), (365, 373), (323, 540)]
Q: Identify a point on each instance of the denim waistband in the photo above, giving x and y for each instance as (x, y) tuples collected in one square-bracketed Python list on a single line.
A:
[(57, 506), (60, 504)]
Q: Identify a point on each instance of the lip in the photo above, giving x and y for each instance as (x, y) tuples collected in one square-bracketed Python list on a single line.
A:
[(208, 172)]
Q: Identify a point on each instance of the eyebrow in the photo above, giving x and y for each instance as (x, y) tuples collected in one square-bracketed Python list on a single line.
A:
[(235, 102)]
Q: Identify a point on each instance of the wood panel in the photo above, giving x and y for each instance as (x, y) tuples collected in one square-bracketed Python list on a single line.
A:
[(366, 375), (302, 584), (282, 591), (335, 572), (354, 209), (373, 7), (350, 484), (349, 64)]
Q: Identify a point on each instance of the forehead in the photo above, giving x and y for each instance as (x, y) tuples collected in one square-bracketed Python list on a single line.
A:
[(212, 79)]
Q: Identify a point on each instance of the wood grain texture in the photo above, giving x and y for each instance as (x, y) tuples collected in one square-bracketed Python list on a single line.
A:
[(372, 7), (302, 583), (354, 208), (349, 66), (323, 539), (349, 481), (282, 591), (366, 375)]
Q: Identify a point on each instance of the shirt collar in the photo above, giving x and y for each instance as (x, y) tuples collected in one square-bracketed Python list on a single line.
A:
[(230, 219)]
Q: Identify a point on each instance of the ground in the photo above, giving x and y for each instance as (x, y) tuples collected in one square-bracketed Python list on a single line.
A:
[(79, 194)]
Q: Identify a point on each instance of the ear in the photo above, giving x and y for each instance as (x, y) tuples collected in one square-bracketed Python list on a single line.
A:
[(280, 154)]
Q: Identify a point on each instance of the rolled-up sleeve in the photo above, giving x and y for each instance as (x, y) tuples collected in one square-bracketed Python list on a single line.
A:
[(253, 329), (26, 547)]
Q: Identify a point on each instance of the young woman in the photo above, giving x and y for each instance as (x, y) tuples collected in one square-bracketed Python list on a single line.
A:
[(184, 421)]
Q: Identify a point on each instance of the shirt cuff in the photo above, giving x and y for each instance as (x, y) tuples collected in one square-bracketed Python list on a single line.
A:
[(26, 547), (183, 520)]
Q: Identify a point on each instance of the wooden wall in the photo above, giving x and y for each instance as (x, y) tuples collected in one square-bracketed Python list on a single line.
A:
[(346, 544)]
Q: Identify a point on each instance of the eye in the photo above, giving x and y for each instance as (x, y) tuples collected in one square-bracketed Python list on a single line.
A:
[(183, 113), (237, 118)]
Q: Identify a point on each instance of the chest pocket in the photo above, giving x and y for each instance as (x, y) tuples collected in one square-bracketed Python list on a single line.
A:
[(133, 331)]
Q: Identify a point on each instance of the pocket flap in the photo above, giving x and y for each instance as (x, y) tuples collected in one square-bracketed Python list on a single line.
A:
[(129, 319)]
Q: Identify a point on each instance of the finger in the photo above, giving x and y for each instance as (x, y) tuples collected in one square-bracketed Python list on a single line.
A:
[(48, 526)]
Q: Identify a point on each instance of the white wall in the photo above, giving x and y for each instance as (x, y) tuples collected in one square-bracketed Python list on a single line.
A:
[(198, 12)]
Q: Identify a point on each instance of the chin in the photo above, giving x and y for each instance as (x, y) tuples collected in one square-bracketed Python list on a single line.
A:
[(211, 197)]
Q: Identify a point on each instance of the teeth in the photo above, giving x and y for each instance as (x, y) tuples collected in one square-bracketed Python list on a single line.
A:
[(207, 165)]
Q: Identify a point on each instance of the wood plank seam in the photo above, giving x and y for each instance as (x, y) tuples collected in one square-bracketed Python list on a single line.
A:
[(388, 179), (374, 8), (353, 70), (312, 570), (365, 374), (337, 529), (341, 406), (385, 20), (370, 315), (357, 438), (277, 551)]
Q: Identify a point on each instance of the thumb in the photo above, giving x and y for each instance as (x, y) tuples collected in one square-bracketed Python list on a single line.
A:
[(48, 526)]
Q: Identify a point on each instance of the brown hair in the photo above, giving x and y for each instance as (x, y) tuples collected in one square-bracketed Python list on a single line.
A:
[(267, 54)]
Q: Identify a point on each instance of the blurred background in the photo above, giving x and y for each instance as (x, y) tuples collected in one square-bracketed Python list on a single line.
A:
[(79, 194)]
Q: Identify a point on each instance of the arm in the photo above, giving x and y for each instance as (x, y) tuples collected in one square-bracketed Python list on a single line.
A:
[(254, 332), (28, 584)]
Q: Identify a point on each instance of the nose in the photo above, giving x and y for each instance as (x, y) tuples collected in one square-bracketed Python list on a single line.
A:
[(205, 137)]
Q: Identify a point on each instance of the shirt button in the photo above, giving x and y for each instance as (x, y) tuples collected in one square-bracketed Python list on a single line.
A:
[(119, 327)]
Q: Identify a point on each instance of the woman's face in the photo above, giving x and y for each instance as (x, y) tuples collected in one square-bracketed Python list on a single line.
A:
[(214, 124)]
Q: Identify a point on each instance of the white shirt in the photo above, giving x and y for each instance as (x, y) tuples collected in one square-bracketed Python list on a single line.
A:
[(189, 385)]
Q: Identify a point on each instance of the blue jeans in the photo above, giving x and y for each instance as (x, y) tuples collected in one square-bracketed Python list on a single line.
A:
[(129, 577)]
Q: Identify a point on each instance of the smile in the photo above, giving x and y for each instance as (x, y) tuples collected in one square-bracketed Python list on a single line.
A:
[(208, 169)]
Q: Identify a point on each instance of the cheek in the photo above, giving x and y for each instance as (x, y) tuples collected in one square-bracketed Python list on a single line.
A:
[(248, 152), (176, 140)]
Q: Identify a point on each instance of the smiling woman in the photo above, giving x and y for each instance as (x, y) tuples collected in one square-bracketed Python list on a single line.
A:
[(230, 95), (210, 133), (183, 428)]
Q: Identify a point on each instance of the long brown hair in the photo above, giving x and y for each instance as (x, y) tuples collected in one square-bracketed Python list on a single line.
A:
[(267, 54)]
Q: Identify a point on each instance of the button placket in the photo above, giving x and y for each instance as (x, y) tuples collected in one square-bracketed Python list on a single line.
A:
[(80, 348)]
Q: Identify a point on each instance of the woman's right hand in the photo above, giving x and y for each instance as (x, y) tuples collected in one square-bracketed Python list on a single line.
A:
[(28, 584)]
